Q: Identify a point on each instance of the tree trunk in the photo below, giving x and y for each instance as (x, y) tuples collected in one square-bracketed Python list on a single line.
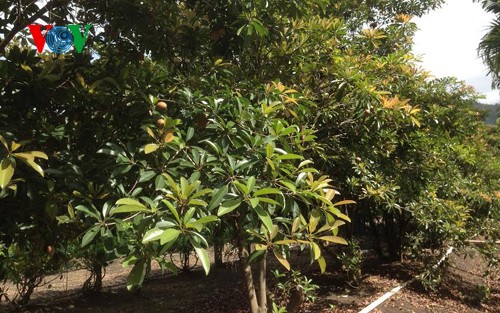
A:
[(262, 284), (375, 235), (247, 272), (218, 245), (392, 236), (218, 254), (246, 268), (296, 298)]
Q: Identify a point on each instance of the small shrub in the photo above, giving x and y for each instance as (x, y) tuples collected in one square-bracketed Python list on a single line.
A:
[(481, 294), (292, 290), (350, 261)]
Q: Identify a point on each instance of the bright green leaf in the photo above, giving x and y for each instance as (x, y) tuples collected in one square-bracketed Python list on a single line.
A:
[(265, 218), (267, 191), (322, 264), (150, 148), (169, 235), (152, 235), (6, 172)]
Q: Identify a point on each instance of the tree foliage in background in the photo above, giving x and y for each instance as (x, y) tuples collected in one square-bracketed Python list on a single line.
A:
[(489, 47)]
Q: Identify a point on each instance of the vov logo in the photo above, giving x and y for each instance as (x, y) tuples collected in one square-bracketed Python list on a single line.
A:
[(59, 39)]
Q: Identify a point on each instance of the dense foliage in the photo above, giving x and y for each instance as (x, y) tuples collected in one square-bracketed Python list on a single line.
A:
[(489, 46), (267, 125)]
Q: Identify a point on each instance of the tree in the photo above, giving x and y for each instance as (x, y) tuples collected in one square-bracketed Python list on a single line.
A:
[(489, 46)]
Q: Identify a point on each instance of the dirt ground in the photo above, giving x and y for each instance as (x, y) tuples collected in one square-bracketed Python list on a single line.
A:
[(223, 291)]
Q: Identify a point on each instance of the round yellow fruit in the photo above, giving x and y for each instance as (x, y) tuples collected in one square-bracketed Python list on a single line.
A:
[(51, 251), (160, 123), (161, 106)]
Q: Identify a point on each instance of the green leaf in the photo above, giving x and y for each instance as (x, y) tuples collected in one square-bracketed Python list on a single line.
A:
[(202, 255), (267, 200), (87, 211), (29, 159), (241, 187), (288, 185), (315, 250), (147, 175), (344, 202), (71, 211), (207, 219), (251, 184), (150, 148), (254, 255), (254, 202), (35, 166), (169, 235), (322, 264), (290, 156), (269, 150), (296, 224), (281, 259), (150, 133), (90, 235), (213, 145), (136, 276), (188, 215), (228, 206), (314, 220), (334, 239), (217, 197), (128, 201), (201, 193), (284, 242), (330, 226), (265, 218), (32, 155), (6, 172), (172, 209), (198, 202), (185, 187), (189, 133), (304, 163), (152, 235), (128, 205), (274, 232), (267, 191), (4, 142)]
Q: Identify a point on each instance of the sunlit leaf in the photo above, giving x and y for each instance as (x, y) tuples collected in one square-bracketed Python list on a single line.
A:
[(334, 239), (6, 172), (282, 259), (150, 148), (322, 264)]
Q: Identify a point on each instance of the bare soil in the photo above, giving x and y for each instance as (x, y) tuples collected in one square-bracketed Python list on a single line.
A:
[(223, 290)]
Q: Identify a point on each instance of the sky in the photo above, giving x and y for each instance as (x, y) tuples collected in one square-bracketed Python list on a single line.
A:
[(447, 43)]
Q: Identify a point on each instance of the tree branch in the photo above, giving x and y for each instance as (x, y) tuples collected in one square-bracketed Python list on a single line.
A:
[(22, 24)]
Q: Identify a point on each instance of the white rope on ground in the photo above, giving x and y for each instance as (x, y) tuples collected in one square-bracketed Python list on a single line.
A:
[(395, 290), (481, 241)]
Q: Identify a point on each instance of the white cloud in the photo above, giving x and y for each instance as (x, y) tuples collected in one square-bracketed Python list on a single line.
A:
[(448, 40)]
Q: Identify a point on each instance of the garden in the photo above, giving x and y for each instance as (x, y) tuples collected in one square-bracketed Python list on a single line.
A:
[(240, 156)]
